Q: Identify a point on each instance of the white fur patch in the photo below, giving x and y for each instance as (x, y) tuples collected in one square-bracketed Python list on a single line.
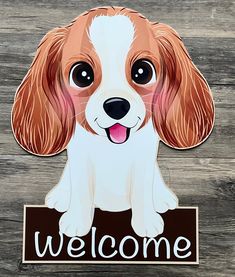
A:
[(111, 37)]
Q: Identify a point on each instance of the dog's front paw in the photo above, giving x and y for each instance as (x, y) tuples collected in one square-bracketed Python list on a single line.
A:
[(165, 200), (150, 225), (58, 198), (71, 224)]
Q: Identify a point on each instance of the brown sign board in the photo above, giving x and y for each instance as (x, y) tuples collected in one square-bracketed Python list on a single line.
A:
[(111, 239)]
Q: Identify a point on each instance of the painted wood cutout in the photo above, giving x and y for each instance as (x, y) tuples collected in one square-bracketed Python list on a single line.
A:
[(107, 88)]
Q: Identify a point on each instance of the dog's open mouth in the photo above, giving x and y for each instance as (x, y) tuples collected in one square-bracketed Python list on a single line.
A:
[(118, 133)]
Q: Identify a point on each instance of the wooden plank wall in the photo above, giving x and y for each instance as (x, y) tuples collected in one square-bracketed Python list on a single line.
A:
[(202, 177)]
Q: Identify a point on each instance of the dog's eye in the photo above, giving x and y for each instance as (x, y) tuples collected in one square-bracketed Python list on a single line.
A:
[(81, 75), (143, 72)]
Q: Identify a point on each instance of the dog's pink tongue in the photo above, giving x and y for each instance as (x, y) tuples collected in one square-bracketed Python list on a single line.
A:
[(118, 133)]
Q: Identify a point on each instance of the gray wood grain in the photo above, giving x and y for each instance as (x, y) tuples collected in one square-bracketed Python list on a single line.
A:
[(211, 18), (203, 176)]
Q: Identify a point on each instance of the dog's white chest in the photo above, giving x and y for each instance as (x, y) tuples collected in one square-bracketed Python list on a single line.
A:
[(112, 167), (112, 174)]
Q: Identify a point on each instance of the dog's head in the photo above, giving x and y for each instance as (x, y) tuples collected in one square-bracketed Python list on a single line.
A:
[(111, 70)]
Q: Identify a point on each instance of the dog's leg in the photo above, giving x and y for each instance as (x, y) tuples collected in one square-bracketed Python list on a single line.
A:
[(145, 220), (78, 219), (164, 199), (59, 197)]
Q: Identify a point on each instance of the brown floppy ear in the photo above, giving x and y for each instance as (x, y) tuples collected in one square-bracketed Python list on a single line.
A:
[(183, 109), (43, 112)]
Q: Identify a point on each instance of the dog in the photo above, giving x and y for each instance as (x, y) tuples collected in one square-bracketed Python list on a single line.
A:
[(108, 87)]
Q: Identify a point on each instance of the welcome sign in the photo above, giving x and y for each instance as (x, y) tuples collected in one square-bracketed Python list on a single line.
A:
[(107, 88), (111, 239)]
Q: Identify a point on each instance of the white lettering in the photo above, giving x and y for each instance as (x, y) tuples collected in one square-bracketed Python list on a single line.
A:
[(107, 246), (48, 245), (122, 245), (93, 231), (70, 248), (100, 248), (176, 248), (157, 244)]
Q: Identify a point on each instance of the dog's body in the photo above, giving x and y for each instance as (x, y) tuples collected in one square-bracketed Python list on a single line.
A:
[(113, 178), (108, 87)]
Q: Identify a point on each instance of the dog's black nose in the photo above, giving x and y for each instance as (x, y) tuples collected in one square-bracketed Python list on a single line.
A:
[(116, 107)]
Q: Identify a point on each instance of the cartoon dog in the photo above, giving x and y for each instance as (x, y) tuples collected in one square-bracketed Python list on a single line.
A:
[(108, 87)]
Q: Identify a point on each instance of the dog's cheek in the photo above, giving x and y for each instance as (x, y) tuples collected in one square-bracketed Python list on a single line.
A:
[(148, 106), (92, 111), (147, 103), (145, 106)]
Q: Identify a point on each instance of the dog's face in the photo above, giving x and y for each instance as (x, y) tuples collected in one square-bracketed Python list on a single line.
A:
[(106, 75), (111, 70), (113, 73)]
